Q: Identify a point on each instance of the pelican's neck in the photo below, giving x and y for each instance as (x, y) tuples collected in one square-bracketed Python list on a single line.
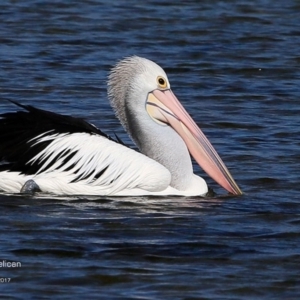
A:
[(163, 144), (128, 86)]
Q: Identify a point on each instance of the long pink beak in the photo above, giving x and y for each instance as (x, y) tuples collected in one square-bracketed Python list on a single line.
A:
[(164, 107)]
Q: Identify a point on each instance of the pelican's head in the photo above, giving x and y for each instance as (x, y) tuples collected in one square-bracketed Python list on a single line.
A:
[(141, 86), (130, 82)]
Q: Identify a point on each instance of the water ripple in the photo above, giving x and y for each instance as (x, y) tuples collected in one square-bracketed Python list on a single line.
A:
[(234, 66)]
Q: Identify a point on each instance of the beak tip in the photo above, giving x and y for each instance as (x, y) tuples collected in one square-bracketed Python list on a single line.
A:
[(238, 191)]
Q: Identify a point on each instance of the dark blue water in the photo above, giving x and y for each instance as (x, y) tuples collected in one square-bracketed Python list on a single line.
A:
[(235, 67)]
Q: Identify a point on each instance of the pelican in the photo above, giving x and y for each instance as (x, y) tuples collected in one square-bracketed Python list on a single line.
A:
[(47, 152)]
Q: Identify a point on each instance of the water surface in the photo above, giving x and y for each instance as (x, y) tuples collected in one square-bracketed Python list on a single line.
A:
[(235, 67)]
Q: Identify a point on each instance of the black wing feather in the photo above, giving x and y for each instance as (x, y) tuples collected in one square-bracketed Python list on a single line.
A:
[(18, 129)]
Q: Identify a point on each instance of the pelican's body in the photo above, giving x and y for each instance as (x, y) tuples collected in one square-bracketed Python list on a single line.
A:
[(65, 155)]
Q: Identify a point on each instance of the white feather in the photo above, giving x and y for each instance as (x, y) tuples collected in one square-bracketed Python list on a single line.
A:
[(94, 153)]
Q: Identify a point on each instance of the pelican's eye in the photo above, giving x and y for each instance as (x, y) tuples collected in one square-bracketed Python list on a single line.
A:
[(162, 82)]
